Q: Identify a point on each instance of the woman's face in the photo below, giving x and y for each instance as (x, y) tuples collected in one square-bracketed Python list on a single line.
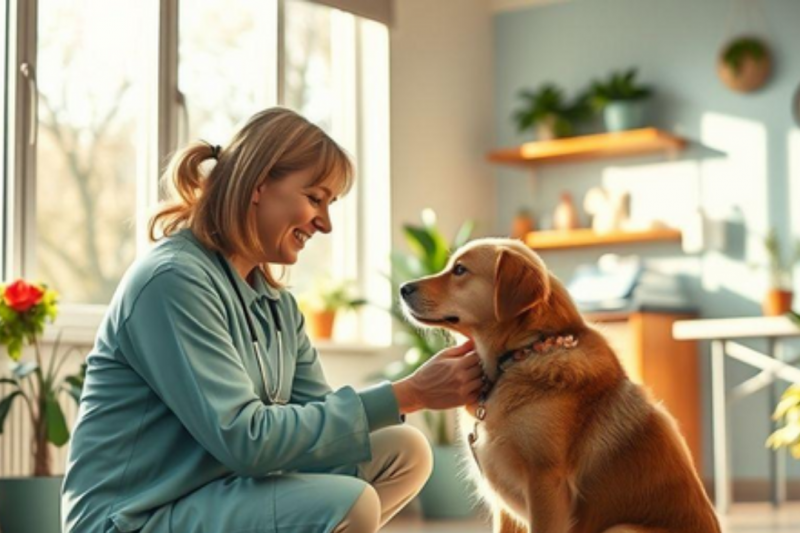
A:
[(289, 212)]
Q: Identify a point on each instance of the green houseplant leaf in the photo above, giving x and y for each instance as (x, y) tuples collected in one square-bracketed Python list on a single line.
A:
[(57, 432), (5, 407), (619, 86)]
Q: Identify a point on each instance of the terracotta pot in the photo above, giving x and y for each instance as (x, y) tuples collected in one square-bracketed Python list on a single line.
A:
[(777, 302), (320, 324), (521, 226)]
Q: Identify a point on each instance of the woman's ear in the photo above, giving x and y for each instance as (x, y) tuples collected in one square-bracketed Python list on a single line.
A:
[(519, 284), (256, 195)]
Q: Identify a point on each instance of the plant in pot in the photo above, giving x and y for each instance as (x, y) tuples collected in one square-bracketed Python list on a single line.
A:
[(787, 413), (621, 99), (778, 299), (745, 64), (446, 495), (324, 301), (548, 111), (33, 503)]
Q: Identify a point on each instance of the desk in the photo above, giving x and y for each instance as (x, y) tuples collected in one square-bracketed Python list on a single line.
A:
[(773, 366)]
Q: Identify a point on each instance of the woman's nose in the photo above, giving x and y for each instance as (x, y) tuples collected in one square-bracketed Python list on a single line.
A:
[(323, 223)]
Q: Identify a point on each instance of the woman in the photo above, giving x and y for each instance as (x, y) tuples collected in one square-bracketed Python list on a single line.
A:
[(205, 408)]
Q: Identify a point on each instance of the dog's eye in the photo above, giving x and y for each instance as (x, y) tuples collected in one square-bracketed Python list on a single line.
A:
[(459, 270)]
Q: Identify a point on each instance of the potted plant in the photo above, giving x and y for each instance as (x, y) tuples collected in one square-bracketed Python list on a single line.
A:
[(778, 299), (33, 503), (547, 110), (787, 412), (745, 64), (621, 99), (445, 495), (321, 305)]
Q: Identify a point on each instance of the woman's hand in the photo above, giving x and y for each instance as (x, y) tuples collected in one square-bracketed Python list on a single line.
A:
[(451, 378)]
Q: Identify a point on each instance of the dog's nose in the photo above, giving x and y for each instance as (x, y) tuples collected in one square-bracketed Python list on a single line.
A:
[(407, 289)]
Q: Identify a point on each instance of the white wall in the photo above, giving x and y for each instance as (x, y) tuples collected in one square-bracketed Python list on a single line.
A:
[(441, 113)]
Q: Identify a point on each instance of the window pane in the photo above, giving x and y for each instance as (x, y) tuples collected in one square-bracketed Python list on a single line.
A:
[(227, 64), (86, 156), (310, 88)]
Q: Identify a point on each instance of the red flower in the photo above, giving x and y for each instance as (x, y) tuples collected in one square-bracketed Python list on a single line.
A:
[(21, 296)]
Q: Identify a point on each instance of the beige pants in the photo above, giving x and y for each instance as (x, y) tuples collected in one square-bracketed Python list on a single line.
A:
[(401, 464)]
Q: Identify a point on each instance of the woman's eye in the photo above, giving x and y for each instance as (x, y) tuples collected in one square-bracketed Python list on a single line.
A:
[(314, 200), (459, 270)]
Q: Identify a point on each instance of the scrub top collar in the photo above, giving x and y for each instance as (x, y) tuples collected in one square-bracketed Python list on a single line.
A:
[(258, 291)]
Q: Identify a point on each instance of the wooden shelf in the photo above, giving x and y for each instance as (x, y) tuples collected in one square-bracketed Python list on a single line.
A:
[(582, 238), (624, 143)]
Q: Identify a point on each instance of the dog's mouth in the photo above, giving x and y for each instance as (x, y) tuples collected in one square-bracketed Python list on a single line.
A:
[(451, 319)]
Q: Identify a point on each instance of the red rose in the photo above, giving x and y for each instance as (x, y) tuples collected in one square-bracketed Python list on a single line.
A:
[(21, 296)]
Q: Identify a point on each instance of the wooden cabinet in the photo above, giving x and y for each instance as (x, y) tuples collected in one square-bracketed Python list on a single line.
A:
[(669, 368)]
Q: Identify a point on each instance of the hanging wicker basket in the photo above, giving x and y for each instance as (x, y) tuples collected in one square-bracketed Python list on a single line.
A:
[(745, 64)]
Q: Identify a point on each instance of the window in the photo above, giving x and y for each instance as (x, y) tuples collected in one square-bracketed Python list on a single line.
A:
[(88, 61), (110, 88)]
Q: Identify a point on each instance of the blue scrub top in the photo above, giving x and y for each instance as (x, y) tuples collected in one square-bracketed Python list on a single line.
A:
[(173, 394)]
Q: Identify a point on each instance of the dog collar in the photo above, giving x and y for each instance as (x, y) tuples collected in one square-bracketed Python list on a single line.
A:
[(540, 346)]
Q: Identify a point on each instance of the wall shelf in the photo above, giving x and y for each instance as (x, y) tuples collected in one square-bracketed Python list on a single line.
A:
[(624, 143), (583, 238)]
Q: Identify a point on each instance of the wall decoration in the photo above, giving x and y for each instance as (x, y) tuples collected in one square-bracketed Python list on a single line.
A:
[(745, 64)]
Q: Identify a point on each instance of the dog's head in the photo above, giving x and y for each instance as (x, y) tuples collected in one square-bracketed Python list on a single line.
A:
[(487, 282)]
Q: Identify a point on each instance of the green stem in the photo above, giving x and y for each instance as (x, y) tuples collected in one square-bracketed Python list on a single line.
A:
[(51, 364)]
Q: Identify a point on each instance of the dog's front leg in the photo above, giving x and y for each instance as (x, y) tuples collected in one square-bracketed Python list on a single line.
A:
[(549, 502)]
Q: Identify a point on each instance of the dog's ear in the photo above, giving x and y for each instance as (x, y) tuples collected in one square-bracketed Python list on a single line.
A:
[(519, 284)]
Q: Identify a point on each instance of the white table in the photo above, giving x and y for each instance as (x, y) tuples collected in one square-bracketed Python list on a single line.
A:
[(773, 365)]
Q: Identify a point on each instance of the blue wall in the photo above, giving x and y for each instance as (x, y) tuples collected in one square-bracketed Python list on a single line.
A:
[(675, 44)]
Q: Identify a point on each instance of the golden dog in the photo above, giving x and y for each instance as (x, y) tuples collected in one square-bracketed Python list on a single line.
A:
[(563, 440)]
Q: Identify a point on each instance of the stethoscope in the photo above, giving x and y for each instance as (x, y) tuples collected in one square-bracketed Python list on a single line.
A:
[(275, 396)]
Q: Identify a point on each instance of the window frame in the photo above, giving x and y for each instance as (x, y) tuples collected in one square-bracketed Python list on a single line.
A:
[(158, 138)]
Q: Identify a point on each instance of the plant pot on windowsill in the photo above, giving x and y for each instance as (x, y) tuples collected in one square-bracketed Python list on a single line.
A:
[(320, 324), (777, 302)]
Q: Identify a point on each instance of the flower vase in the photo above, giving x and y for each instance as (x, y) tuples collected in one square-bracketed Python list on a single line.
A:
[(565, 216)]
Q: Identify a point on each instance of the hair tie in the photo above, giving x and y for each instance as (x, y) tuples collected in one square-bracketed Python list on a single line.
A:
[(215, 150)]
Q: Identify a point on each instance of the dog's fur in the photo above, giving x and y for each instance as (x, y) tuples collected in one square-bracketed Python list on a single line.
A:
[(569, 443)]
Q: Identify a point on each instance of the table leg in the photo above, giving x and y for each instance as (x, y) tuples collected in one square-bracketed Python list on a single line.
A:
[(777, 458), (722, 487)]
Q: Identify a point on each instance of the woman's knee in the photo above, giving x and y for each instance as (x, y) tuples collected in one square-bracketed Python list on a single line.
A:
[(411, 447), (365, 514)]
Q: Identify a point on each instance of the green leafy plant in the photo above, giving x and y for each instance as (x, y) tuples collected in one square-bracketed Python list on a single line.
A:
[(780, 268), (331, 295), (619, 86), (24, 310), (738, 50), (429, 255), (547, 105), (787, 411)]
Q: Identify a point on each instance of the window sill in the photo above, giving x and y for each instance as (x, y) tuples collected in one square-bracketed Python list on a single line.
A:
[(349, 348)]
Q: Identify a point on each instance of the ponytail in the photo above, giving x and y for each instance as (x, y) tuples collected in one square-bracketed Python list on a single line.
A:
[(186, 182)]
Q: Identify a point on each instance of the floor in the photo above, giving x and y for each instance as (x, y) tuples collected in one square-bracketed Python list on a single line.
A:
[(744, 518)]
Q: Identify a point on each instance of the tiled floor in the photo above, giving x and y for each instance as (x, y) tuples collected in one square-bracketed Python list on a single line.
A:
[(744, 518)]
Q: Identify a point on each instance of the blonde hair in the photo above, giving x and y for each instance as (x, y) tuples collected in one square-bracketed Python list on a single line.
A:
[(272, 144)]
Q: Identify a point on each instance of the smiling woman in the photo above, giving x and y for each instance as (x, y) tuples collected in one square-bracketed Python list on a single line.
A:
[(231, 402)]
